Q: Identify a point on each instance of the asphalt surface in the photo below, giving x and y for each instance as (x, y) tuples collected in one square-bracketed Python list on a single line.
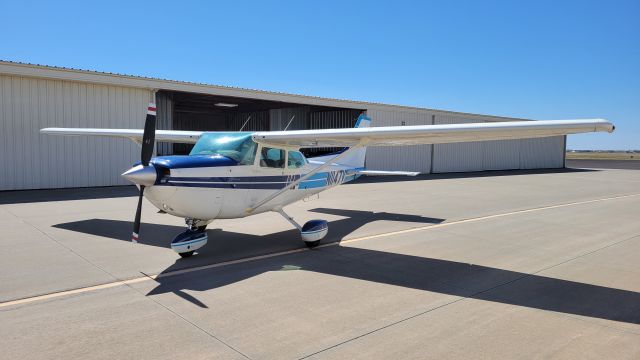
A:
[(494, 265), (604, 164)]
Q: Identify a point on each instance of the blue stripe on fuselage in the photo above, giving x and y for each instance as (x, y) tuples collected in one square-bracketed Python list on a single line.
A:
[(318, 180)]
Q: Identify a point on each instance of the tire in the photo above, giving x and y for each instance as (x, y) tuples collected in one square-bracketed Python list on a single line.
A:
[(186, 254), (201, 228), (312, 244)]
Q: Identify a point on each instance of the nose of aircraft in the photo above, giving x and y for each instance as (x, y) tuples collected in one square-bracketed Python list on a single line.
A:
[(141, 175)]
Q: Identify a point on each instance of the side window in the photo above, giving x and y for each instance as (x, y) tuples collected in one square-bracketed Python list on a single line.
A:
[(296, 160), (270, 157)]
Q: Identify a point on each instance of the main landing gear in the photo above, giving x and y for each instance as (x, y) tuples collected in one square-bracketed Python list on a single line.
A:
[(311, 232), (191, 240), (195, 237)]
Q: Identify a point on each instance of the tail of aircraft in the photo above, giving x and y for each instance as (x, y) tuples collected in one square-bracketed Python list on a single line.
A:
[(356, 158)]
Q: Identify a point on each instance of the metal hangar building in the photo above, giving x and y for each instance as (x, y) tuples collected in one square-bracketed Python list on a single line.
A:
[(34, 96)]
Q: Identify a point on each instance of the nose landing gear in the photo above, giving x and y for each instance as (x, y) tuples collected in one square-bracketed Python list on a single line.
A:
[(191, 240)]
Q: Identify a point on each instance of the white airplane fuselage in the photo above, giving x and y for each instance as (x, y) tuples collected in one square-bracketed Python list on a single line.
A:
[(226, 192)]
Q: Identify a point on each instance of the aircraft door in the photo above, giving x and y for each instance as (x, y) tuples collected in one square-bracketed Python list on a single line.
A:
[(269, 169)]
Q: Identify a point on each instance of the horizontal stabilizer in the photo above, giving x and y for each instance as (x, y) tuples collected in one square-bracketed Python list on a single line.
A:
[(383, 173)]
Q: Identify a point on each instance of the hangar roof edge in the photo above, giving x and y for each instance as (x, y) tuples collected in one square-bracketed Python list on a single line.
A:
[(97, 77)]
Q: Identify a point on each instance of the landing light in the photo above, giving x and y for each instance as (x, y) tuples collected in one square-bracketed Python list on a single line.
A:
[(226, 105)]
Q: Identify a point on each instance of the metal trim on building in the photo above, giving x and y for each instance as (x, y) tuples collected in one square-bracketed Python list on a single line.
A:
[(87, 76)]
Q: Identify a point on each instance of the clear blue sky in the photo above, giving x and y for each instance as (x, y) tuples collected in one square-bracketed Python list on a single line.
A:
[(535, 59)]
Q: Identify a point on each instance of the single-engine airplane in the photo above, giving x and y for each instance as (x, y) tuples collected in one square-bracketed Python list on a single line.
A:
[(237, 174)]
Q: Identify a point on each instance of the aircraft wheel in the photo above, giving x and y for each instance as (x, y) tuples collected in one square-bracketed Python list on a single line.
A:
[(202, 228), (313, 231), (186, 254), (312, 244)]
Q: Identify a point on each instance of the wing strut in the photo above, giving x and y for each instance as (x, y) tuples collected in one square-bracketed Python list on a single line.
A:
[(303, 178)]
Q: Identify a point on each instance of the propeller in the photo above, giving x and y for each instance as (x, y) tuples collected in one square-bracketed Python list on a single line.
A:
[(148, 142)]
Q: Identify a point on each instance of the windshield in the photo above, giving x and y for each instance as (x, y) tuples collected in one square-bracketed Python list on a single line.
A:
[(235, 145)]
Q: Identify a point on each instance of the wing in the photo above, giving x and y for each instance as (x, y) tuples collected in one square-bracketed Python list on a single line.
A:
[(189, 137), (429, 134)]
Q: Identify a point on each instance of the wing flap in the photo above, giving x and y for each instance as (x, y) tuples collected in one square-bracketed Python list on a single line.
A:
[(188, 137), (429, 134)]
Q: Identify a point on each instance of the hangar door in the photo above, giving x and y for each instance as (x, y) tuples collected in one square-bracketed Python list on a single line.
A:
[(536, 153), (202, 112), (403, 158)]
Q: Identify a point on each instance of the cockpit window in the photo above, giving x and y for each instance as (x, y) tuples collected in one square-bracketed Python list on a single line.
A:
[(270, 157), (238, 146), (295, 160)]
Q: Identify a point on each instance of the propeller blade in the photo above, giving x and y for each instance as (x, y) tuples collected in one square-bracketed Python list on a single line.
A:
[(148, 143), (136, 223), (149, 135)]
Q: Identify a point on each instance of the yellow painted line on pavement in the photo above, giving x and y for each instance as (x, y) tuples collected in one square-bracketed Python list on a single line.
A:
[(488, 217), (281, 253)]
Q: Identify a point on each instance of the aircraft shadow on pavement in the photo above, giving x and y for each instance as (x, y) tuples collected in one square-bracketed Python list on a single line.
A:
[(225, 245), (428, 274)]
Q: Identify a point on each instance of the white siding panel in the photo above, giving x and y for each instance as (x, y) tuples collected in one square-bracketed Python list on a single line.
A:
[(407, 158), (458, 157), (501, 155), (30, 160), (496, 155), (542, 153)]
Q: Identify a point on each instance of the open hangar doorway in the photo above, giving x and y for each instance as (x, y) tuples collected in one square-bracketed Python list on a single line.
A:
[(204, 112)]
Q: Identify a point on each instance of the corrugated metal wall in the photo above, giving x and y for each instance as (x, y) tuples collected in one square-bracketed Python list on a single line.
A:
[(540, 153), (255, 121), (337, 119), (30, 160), (407, 158), (279, 118), (459, 157), (164, 106)]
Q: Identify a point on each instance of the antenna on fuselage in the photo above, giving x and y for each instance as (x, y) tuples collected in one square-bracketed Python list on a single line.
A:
[(289, 123), (245, 123)]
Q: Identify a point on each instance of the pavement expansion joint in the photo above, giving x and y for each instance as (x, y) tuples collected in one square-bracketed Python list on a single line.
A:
[(120, 282), (480, 292)]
